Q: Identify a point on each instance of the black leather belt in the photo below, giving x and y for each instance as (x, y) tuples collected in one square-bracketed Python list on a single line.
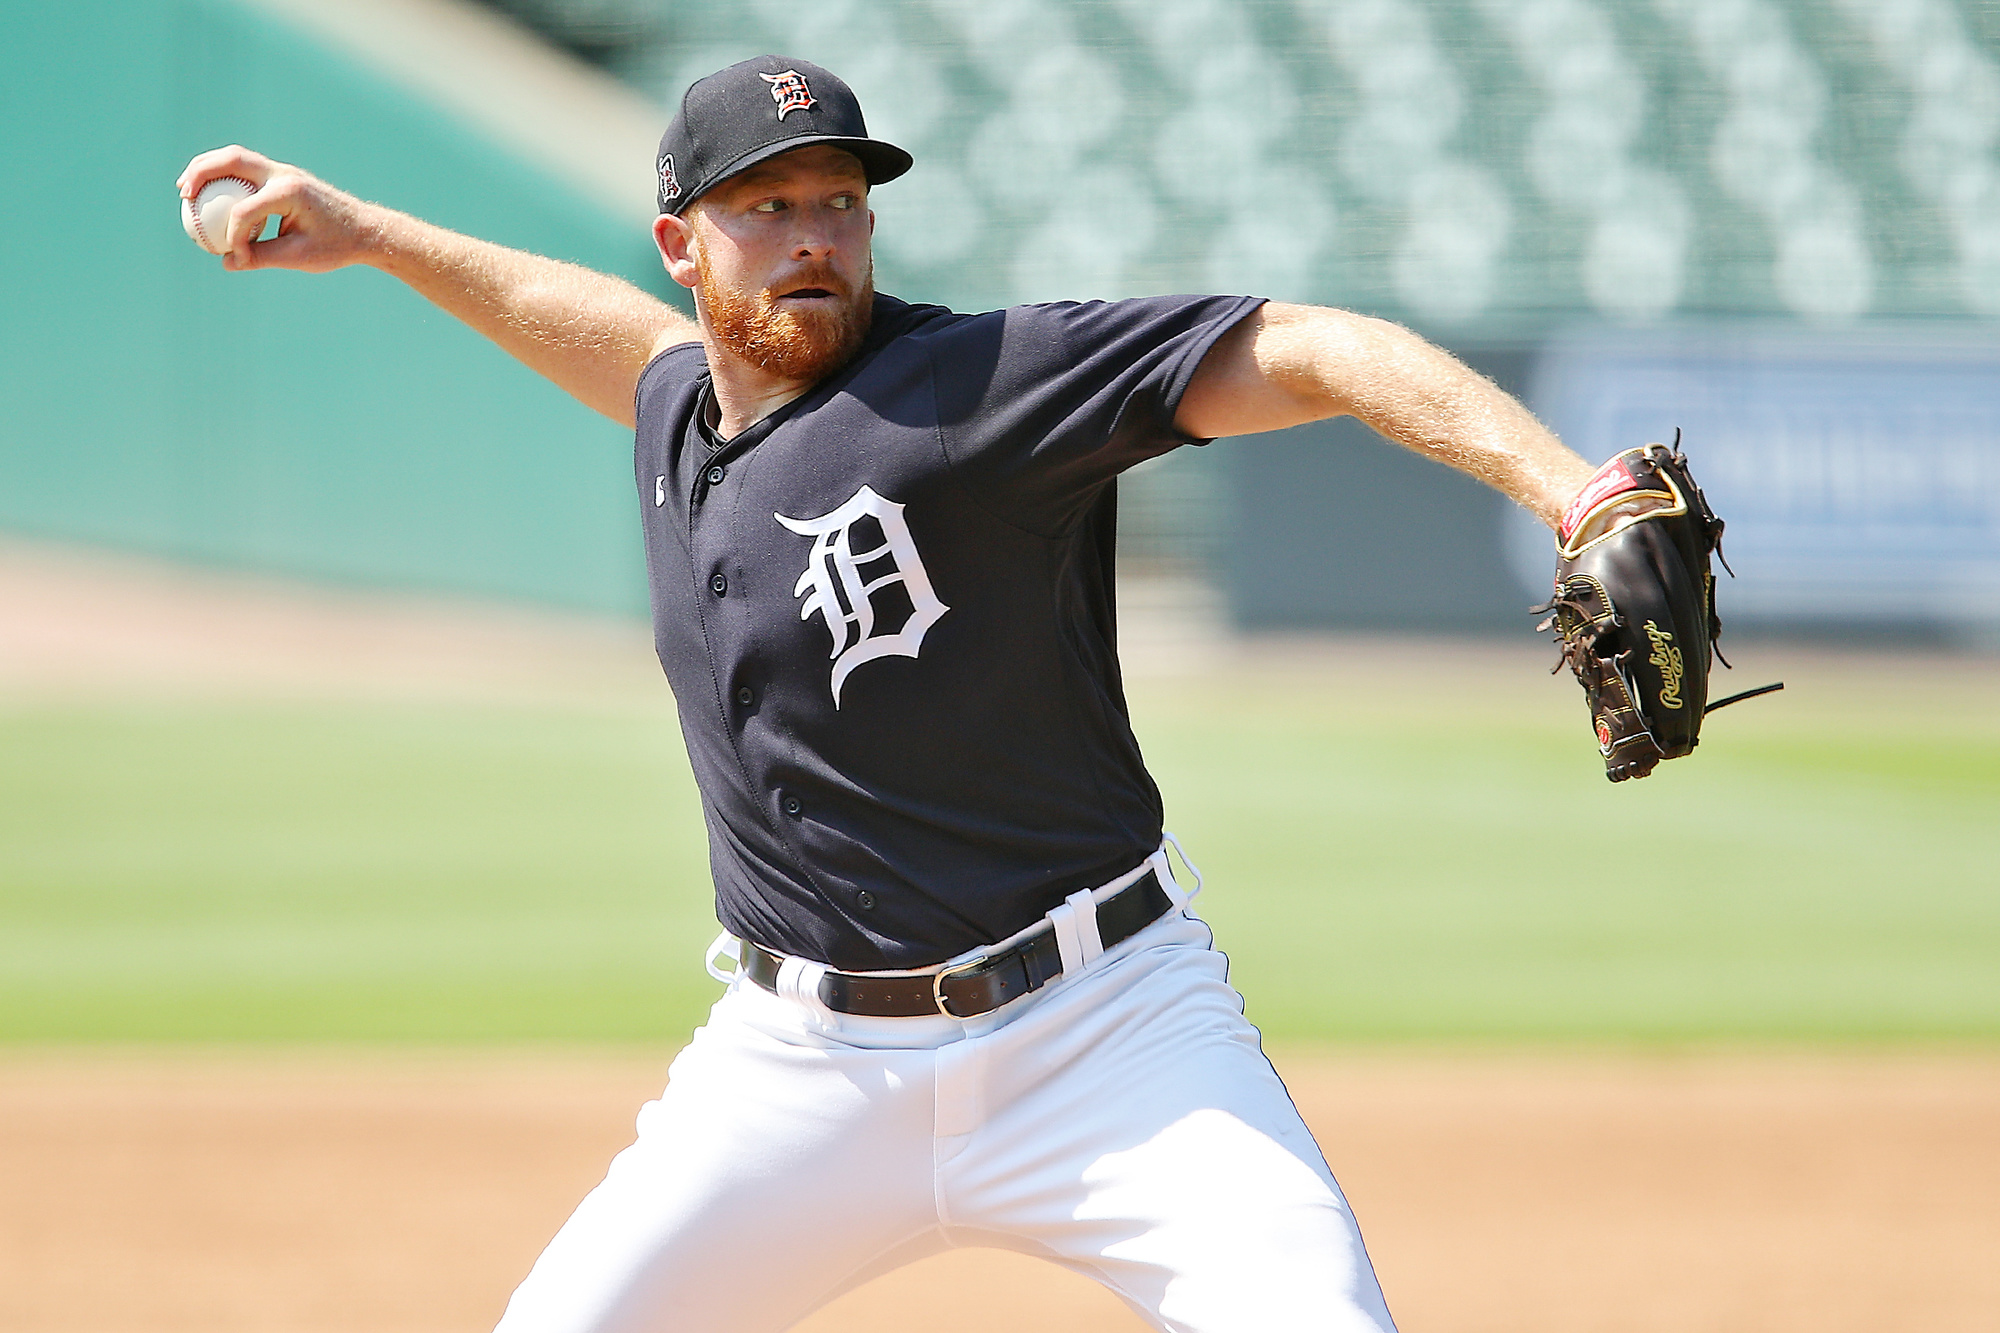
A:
[(980, 985)]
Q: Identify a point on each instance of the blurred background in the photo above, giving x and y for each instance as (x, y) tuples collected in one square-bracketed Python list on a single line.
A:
[(326, 713), (1775, 226)]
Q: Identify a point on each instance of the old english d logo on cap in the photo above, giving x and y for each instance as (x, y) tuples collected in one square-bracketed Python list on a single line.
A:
[(755, 110), (789, 91)]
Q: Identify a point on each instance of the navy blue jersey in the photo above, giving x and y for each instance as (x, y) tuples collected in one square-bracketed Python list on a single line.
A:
[(886, 612)]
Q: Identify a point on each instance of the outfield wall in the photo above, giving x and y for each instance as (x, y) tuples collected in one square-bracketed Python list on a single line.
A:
[(334, 427)]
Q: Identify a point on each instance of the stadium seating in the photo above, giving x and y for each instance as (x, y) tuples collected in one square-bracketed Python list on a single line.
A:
[(1479, 168)]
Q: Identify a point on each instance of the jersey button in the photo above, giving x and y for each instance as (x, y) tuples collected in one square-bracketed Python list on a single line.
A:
[(866, 899), (718, 584), (716, 474), (745, 695), (791, 805)]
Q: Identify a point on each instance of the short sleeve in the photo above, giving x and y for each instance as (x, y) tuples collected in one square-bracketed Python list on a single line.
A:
[(1040, 405), (668, 374)]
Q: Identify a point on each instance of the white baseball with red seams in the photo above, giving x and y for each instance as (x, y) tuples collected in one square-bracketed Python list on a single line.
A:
[(205, 218)]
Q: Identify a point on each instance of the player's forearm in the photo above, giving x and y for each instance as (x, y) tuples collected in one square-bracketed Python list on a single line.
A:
[(590, 333), (1430, 402), (1287, 364)]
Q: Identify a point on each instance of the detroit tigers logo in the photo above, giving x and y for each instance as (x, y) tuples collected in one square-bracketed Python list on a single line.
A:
[(859, 592), (670, 185), (789, 91)]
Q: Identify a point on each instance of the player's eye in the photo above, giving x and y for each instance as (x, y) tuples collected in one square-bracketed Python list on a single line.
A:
[(846, 201), (768, 206)]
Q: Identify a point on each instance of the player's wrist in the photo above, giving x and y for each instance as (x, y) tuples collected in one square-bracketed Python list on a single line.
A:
[(383, 238), (1564, 493)]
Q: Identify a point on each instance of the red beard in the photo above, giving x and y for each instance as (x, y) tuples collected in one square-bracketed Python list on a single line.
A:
[(800, 345)]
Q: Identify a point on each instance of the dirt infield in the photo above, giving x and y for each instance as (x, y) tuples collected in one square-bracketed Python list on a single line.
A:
[(405, 1193)]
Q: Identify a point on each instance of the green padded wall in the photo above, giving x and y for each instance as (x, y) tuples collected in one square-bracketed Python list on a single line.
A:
[(333, 426)]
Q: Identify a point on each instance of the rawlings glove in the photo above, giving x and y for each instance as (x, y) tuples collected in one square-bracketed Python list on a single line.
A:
[(1634, 606)]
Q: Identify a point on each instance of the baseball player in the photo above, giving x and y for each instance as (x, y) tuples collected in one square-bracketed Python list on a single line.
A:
[(968, 1003)]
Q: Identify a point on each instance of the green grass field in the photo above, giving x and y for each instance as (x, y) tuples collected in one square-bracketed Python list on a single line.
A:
[(1382, 864)]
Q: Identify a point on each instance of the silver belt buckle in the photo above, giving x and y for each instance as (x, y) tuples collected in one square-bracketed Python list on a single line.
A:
[(938, 980)]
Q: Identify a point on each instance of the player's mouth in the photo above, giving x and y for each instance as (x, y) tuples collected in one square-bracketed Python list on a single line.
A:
[(807, 294)]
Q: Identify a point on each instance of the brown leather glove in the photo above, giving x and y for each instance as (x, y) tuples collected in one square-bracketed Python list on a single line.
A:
[(1634, 605)]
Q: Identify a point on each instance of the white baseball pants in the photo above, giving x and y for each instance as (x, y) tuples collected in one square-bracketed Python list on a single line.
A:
[(1122, 1122)]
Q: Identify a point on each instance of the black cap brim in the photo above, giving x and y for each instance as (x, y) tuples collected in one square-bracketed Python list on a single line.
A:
[(879, 161)]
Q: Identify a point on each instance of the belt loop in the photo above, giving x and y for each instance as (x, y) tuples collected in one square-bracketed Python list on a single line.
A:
[(1085, 903), (798, 981), (1077, 938), (1166, 871), (723, 946)]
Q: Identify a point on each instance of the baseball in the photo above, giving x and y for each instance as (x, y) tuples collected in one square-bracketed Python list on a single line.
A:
[(205, 217)]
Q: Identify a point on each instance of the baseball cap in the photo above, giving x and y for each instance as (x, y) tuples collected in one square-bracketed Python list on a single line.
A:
[(737, 117)]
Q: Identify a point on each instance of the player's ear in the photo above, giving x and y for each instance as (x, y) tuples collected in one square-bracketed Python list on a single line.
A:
[(675, 238)]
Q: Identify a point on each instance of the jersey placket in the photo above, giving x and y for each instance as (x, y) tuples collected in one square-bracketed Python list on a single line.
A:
[(711, 510), (720, 573)]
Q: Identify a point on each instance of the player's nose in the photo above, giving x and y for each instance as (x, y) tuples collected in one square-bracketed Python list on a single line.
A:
[(818, 232), (813, 243)]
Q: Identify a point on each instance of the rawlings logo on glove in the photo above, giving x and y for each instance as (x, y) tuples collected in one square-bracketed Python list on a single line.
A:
[(1634, 607), (1667, 658)]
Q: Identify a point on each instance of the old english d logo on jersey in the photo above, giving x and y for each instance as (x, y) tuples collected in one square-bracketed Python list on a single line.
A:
[(844, 583), (789, 91)]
